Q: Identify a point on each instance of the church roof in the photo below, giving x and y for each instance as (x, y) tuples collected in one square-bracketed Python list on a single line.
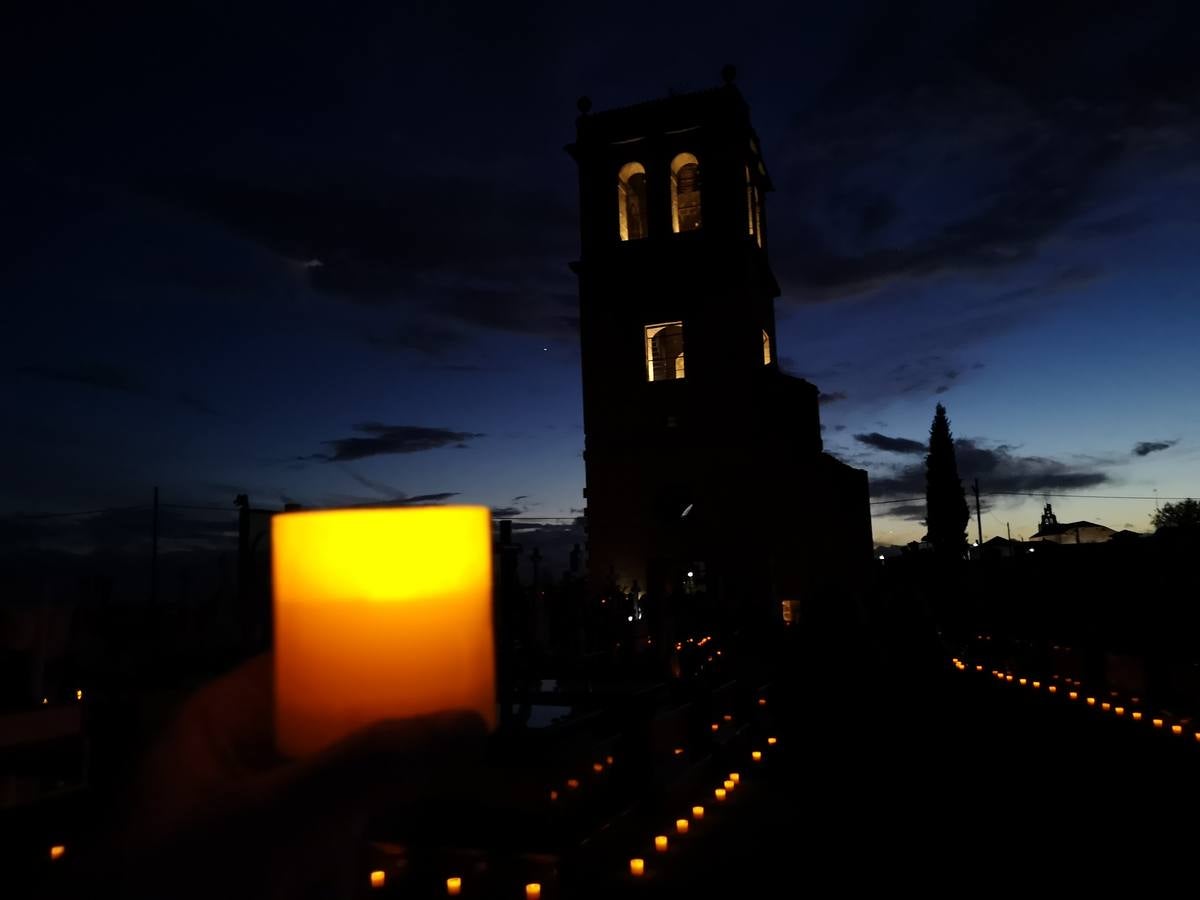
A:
[(1064, 527)]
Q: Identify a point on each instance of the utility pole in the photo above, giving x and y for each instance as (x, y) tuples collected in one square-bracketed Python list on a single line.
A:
[(154, 553), (978, 515)]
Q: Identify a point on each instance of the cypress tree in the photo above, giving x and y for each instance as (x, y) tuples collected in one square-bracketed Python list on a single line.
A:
[(946, 510)]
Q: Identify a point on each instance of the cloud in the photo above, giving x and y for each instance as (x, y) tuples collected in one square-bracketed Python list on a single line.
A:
[(506, 512), (998, 469), (891, 444), (377, 439), (939, 148), (1145, 448), (93, 374), (831, 397)]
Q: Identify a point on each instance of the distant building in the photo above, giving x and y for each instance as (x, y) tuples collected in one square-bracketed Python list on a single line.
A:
[(704, 462), (1081, 532)]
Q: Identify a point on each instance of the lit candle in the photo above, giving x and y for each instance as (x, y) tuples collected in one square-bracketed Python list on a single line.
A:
[(727, 717), (762, 701), (609, 760), (57, 851), (1158, 723), (1120, 710), (79, 695), (679, 751), (715, 726), (756, 755), (1176, 729), (660, 840), (1106, 706), (572, 783), (735, 777), (729, 785), (379, 614), (1074, 695), (533, 891), (697, 813), (772, 741), (1020, 680), (1008, 678), (637, 867), (597, 767), (378, 878), (1197, 736), (1137, 716), (719, 793), (682, 825), (1037, 684), (1052, 688), (454, 886), (1091, 701)]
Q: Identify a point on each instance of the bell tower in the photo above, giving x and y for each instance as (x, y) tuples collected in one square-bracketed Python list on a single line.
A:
[(697, 445)]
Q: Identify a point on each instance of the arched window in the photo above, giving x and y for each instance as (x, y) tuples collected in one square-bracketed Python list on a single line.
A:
[(766, 348), (631, 201), (753, 209), (664, 351), (685, 193)]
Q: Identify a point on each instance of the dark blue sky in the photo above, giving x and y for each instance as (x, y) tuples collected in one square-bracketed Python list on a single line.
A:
[(319, 253)]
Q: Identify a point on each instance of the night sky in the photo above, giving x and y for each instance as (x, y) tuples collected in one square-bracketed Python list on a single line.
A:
[(319, 254)]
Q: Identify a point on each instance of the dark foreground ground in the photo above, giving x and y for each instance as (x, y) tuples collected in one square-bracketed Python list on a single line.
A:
[(950, 783)]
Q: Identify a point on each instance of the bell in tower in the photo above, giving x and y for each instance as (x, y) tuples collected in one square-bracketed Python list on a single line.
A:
[(706, 479)]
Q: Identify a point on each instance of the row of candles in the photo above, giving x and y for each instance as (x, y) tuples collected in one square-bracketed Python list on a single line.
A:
[(1072, 693), (637, 864)]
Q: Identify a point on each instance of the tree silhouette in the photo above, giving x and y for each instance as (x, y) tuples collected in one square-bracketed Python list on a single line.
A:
[(1184, 516), (946, 511)]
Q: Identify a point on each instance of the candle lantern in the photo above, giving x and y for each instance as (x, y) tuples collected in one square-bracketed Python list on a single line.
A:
[(729, 785), (1106, 706), (637, 867), (719, 793), (772, 741), (756, 755), (1037, 684), (57, 851), (1052, 688), (454, 886), (735, 777), (660, 842), (378, 878), (1091, 701), (379, 614), (1021, 681), (1158, 723), (682, 825), (1074, 695), (1176, 729), (1120, 710), (697, 812), (533, 891)]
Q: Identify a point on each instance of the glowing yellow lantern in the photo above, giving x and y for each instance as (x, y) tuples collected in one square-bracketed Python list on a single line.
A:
[(597, 767), (719, 793), (1091, 701), (1052, 688), (727, 717), (762, 701), (1037, 684), (728, 784), (572, 783), (1074, 695), (1137, 716), (735, 777), (554, 795), (1158, 723), (660, 842), (533, 891), (716, 727), (1020, 681), (637, 867), (772, 741), (57, 851), (697, 813), (378, 878), (1008, 678), (679, 751), (609, 760), (682, 825), (1176, 729), (1106, 706), (454, 886), (380, 614), (1197, 736), (79, 695), (1120, 710), (756, 755)]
